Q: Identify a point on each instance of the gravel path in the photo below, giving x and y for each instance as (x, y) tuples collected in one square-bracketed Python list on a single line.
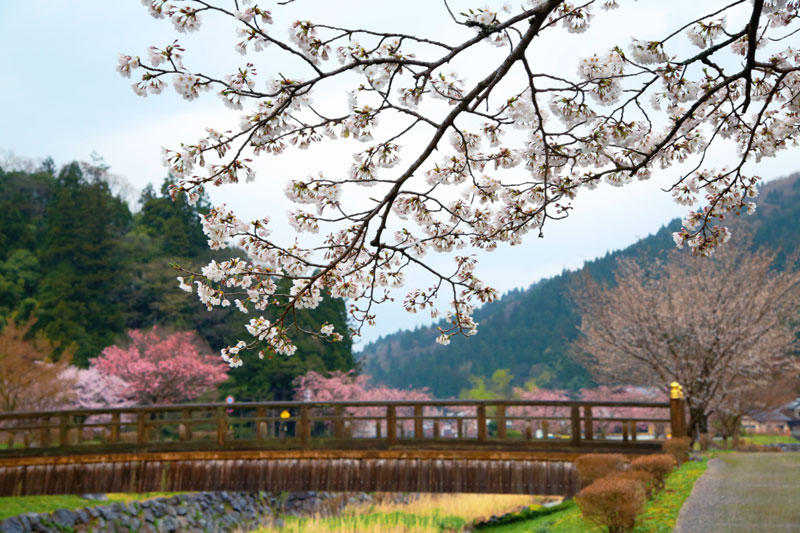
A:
[(755, 492)]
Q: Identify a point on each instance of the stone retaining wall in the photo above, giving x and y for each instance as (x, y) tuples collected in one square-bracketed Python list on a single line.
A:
[(195, 512)]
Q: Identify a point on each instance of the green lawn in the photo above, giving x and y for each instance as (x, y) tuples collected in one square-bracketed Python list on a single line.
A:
[(17, 505), (771, 439), (659, 516)]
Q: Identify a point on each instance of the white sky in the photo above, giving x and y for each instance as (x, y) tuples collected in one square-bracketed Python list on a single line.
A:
[(61, 97)]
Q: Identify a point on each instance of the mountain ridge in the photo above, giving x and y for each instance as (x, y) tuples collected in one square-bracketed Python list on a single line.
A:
[(528, 331)]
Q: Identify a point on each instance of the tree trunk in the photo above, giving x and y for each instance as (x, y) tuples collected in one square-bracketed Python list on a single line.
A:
[(698, 422)]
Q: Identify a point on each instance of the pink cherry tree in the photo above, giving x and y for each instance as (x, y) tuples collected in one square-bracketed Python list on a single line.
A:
[(346, 386), (547, 418), (615, 415), (161, 367)]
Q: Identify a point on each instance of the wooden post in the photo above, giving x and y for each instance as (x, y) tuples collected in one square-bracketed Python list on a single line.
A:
[(63, 428), (378, 426), (625, 431), (222, 426), (184, 427), (588, 423), (482, 423), (141, 427), (114, 437), (633, 429), (418, 429), (677, 411), (528, 429), (305, 426), (44, 436), (576, 425), (338, 422), (435, 429), (460, 424), (391, 424), (261, 424), (546, 428), (501, 421)]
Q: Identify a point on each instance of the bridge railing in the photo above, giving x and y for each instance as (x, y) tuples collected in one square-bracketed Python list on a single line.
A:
[(512, 424)]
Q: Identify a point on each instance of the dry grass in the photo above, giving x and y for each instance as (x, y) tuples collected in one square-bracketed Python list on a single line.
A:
[(428, 513)]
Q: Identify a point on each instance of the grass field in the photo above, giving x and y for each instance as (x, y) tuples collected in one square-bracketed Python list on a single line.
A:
[(770, 439), (659, 516), (428, 514), (17, 505)]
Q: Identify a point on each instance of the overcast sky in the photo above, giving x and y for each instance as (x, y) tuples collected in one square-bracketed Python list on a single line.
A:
[(61, 97)]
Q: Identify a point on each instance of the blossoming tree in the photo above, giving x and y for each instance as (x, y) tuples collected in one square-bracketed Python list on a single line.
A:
[(490, 154), (162, 368), (345, 386), (719, 326)]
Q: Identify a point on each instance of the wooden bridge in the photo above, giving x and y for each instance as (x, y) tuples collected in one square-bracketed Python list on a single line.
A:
[(429, 446)]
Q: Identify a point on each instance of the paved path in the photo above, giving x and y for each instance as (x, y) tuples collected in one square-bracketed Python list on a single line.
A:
[(745, 492)]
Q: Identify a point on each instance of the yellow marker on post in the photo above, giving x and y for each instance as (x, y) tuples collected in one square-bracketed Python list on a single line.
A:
[(675, 391), (285, 414)]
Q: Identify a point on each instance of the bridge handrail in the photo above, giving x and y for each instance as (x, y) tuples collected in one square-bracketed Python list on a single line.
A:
[(506, 423), (332, 403)]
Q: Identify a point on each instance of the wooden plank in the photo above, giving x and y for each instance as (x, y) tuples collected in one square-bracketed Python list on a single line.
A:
[(575, 421), (501, 422), (418, 427), (391, 425), (141, 427), (304, 429), (261, 425), (114, 430), (222, 426), (63, 430), (481, 423), (338, 422), (588, 423)]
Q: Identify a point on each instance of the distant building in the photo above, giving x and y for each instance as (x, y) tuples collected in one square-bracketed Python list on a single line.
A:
[(768, 422)]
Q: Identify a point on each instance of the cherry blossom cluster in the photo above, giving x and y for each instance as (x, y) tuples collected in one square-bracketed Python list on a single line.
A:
[(499, 152)]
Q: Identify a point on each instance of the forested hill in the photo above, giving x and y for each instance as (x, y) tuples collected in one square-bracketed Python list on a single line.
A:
[(529, 331), (76, 260)]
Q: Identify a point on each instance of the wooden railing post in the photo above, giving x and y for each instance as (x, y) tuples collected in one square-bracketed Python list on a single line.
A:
[(44, 436), (481, 423), (185, 427), (625, 431), (63, 429), (677, 411), (391, 424), (114, 437), (141, 427), (528, 429), (338, 422), (575, 417), (261, 424), (304, 431), (222, 426), (418, 429), (546, 429), (460, 428), (588, 423), (435, 429), (501, 421)]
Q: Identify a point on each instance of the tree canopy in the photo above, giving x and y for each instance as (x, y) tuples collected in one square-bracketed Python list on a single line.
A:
[(470, 159)]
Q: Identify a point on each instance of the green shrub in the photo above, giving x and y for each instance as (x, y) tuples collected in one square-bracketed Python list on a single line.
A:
[(658, 465), (593, 466), (612, 502)]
